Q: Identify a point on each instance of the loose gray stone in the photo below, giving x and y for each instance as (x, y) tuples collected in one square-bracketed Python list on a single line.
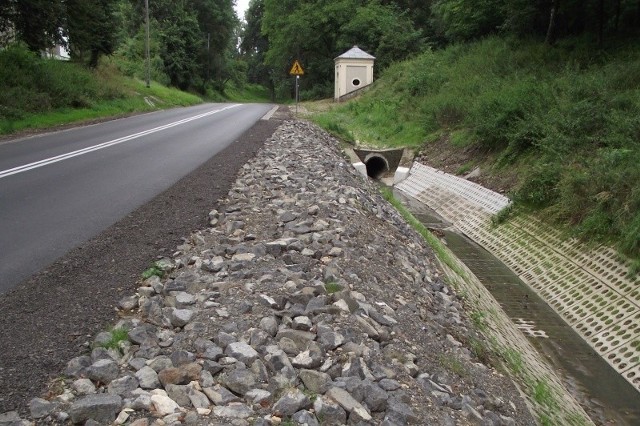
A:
[(233, 411), (301, 338), (198, 399), (128, 303), (40, 408), (10, 418), (279, 362), (123, 386), (147, 378), (161, 362), (315, 381), (84, 387), (292, 401), (163, 405), (77, 366), (329, 411), (305, 418), (101, 408), (180, 317), (347, 402), (179, 394), (374, 396), (269, 325), (220, 395), (400, 413), (242, 352), (224, 339), (239, 381), (301, 323), (103, 370), (258, 396), (182, 357), (331, 340)]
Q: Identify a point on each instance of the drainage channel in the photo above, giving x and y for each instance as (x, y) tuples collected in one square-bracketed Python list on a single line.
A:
[(606, 396)]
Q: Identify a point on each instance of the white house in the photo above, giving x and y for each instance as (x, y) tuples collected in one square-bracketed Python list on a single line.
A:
[(354, 70)]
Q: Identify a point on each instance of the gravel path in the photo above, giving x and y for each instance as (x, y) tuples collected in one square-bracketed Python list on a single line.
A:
[(46, 320)]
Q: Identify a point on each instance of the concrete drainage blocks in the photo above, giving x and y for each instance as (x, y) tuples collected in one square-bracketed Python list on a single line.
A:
[(588, 287)]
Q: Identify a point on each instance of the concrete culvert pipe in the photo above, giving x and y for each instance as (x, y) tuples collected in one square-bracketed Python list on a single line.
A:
[(377, 166)]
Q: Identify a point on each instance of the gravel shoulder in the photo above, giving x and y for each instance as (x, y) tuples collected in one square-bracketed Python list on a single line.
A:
[(47, 319), (304, 298)]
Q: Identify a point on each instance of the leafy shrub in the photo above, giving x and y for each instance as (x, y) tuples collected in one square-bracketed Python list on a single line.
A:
[(30, 84), (540, 186)]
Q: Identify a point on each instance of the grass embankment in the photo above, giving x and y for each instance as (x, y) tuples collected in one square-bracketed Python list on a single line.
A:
[(38, 93), (567, 118)]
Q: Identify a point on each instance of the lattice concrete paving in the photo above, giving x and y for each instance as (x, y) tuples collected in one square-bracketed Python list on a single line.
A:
[(508, 336), (588, 287)]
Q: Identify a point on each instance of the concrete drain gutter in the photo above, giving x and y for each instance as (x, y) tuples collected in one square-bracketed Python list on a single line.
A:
[(589, 288)]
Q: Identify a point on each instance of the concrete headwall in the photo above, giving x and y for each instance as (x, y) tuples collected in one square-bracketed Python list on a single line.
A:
[(588, 287)]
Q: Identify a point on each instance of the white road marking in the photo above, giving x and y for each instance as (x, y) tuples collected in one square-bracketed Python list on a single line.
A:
[(268, 115), (61, 157)]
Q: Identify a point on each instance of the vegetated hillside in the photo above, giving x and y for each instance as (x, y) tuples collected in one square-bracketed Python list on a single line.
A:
[(562, 122), (37, 93)]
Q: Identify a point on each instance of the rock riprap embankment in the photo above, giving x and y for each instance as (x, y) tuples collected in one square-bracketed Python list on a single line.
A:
[(308, 301)]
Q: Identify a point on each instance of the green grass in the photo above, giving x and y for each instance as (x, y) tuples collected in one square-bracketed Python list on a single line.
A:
[(38, 93), (437, 246), (567, 118), (247, 93), (479, 319), (117, 335), (453, 365), (332, 287), (152, 271), (513, 360)]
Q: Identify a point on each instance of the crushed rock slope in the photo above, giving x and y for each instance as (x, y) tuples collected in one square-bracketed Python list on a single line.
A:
[(309, 300)]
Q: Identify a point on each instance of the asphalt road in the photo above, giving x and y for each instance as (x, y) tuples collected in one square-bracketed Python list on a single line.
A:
[(57, 190)]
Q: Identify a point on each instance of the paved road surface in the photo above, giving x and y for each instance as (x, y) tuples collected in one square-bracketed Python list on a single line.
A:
[(58, 190)]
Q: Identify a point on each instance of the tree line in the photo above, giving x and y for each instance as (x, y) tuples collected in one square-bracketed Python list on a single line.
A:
[(315, 31), (194, 43)]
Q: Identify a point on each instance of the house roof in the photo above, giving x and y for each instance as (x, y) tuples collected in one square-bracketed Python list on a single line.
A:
[(355, 53)]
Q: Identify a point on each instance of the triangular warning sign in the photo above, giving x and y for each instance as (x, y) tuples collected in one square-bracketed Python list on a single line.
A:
[(296, 69)]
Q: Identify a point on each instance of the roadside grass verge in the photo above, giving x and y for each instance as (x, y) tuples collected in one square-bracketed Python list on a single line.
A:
[(441, 251), (38, 93), (566, 117), (246, 93)]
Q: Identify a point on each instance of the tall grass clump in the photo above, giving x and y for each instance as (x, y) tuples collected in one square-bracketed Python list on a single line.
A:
[(30, 84), (37, 93), (566, 117)]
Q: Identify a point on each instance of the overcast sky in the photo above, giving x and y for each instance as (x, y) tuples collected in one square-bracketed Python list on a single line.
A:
[(241, 6)]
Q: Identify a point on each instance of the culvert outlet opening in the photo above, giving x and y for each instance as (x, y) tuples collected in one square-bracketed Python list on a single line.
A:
[(376, 167)]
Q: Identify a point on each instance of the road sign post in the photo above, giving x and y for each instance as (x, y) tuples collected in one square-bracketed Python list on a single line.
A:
[(297, 71)]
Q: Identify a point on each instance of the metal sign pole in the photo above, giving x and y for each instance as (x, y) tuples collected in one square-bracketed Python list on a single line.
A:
[(297, 91)]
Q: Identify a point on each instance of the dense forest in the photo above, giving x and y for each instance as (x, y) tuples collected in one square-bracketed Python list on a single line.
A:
[(316, 31), (197, 44), (192, 42)]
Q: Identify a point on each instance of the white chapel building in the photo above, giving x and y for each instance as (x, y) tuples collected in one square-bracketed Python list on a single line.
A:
[(354, 70)]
